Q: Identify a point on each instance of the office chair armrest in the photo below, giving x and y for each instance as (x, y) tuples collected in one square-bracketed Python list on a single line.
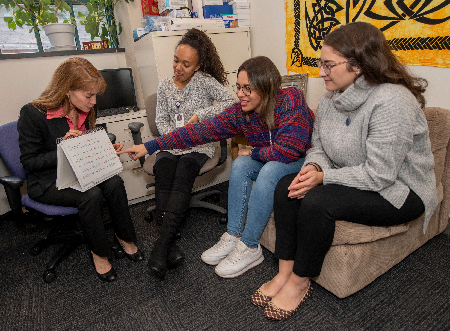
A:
[(135, 128), (12, 188), (223, 152)]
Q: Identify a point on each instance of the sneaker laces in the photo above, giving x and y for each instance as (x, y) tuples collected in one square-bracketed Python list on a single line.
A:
[(221, 243), (237, 254)]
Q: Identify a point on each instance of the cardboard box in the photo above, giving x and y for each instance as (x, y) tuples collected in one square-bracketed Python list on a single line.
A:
[(230, 20), (171, 4), (217, 11)]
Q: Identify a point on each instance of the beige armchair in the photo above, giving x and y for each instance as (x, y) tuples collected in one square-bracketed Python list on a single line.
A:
[(359, 253)]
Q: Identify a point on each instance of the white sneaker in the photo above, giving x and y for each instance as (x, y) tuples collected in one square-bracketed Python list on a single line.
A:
[(241, 259), (220, 250)]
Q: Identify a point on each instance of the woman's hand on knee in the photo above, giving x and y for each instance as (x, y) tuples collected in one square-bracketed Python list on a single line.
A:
[(244, 152), (306, 179)]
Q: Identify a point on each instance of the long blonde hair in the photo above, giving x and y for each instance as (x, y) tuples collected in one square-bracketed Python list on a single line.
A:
[(73, 74)]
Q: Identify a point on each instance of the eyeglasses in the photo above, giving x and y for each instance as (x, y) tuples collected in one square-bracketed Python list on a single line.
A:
[(327, 66), (246, 89)]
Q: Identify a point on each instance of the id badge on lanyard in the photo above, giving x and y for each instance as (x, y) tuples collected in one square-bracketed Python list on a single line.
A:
[(179, 117)]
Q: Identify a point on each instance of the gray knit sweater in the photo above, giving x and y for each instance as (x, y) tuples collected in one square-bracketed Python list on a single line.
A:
[(385, 148), (197, 97)]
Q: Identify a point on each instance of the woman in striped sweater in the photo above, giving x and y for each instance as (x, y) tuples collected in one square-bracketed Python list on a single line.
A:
[(278, 125)]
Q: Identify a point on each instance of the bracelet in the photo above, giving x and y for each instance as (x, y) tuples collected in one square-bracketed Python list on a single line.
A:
[(315, 165)]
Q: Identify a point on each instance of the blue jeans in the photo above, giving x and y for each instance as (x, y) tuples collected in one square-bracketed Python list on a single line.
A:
[(259, 201)]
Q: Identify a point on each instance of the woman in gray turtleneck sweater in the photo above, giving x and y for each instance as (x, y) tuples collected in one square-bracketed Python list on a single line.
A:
[(370, 162)]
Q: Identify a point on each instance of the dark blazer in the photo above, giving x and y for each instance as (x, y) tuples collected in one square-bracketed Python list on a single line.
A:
[(37, 143)]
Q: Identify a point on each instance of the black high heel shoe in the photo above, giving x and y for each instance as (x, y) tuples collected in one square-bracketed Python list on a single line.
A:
[(136, 257), (109, 276)]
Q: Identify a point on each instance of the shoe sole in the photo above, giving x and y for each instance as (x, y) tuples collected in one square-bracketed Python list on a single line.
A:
[(251, 265), (212, 262)]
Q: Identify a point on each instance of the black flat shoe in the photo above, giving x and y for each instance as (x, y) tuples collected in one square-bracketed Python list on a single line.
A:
[(110, 276), (117, 249), (175, 257), (136, 257)]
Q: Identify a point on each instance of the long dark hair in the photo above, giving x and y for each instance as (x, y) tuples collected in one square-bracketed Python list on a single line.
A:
[(265, 79), (365, 46), (208, 58)]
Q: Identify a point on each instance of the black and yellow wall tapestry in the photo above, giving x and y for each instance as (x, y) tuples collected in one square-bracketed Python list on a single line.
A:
[(417, 30)]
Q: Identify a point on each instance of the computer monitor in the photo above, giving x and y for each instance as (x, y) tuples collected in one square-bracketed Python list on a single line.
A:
[(119, 96)]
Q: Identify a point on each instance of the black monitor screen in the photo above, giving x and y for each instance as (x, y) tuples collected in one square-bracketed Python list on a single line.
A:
[(119, 91)]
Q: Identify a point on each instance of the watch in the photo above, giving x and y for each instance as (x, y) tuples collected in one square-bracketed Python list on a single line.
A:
[(250, 151)]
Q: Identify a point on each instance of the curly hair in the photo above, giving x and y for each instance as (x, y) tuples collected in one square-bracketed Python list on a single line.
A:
[(209, 59), (265, 79), (364, 46), (73, 74)]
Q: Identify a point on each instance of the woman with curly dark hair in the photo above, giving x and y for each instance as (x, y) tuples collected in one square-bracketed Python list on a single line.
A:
[(187, 97)]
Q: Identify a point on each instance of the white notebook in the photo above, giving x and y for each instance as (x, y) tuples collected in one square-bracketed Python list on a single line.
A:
[(86, 160)]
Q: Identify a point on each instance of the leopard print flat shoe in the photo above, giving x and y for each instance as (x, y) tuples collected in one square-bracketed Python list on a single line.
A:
[(271, 311), (260, 299)]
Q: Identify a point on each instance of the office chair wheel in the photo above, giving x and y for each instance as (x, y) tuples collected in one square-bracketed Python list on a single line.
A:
[(222, 219), (148, 217), (36, 250), (49, 276)]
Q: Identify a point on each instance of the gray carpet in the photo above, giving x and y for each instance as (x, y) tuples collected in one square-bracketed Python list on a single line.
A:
[(414, 295)]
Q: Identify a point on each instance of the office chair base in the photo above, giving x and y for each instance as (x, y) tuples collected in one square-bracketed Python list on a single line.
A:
[(197, 202)]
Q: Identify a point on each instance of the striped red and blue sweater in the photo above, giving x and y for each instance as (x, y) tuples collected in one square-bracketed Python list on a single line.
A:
[(287, 142)]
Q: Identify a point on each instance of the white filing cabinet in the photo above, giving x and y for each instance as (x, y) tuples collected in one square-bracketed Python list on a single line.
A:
[(134, 177), (154, 54)]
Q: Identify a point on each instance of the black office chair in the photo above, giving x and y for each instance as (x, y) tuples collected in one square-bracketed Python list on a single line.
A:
[(64, 231), (218, 159)]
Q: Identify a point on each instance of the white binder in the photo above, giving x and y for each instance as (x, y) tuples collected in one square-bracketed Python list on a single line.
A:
[(86, 160)]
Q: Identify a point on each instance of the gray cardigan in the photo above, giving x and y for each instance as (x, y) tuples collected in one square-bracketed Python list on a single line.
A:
[(197, 97), (385, 148)]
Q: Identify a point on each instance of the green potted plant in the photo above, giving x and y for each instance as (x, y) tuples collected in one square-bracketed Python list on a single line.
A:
[(38, 13), (100, 21)]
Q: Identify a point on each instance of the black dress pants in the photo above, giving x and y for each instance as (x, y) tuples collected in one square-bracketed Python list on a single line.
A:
[(305, 227), (90, 205)]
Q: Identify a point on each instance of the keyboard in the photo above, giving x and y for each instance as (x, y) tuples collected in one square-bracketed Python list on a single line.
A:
[(115, 111)]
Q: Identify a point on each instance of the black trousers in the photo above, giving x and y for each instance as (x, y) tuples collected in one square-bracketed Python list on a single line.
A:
[(305, 227), (174, 179), (90, 205)]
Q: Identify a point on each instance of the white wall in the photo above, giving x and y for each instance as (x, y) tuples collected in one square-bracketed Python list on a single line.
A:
[(22, 80), (268, 29)]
